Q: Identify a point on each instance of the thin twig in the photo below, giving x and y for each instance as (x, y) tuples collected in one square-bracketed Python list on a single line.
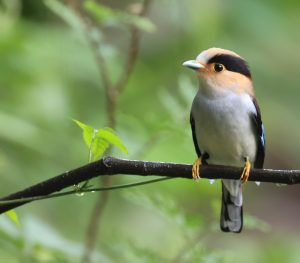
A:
[(82, 191), (111, 100), (112, 93), (114, 166), (133, 51)]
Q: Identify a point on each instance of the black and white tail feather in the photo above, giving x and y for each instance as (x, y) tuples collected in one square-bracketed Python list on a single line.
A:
[(232, 209)]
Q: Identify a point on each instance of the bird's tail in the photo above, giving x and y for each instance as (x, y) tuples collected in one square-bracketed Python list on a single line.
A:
[(232, 206)]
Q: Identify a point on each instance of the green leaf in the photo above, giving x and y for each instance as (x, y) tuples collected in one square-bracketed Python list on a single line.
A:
[(12, 215), (110, 136), (142, 23), (98, 141), (88, 132), (99, 147), (106, 15), (64, 13), (100, 12)]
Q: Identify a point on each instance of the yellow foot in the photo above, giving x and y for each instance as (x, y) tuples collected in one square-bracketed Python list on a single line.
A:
[(246, 171), (196, 169)]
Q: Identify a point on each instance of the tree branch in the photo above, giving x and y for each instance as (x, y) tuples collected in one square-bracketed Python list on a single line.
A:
[(113, 166)]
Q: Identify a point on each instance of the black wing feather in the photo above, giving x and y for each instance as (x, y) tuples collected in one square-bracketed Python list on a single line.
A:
[(259, 131), (192, 121)]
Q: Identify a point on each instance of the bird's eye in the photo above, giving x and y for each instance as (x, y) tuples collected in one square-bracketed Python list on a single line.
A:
[(218, 67)]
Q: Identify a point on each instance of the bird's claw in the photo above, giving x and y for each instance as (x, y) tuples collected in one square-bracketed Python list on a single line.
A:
[(196, 169), (246, 171)]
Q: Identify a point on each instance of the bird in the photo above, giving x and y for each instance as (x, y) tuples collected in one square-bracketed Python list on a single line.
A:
[(226, 125)]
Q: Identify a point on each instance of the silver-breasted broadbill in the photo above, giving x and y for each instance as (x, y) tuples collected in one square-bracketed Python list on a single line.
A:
[(226, 125)]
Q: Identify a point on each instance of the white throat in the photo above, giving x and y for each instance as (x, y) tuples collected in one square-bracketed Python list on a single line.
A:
[(212, 90)]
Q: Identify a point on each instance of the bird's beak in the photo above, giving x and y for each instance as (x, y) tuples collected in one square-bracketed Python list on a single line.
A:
[(193, 64)]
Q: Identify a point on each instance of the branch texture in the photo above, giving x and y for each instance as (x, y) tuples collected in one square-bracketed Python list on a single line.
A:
[(114, 166)]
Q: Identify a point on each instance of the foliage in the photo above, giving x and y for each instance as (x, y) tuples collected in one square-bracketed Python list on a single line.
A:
[(12, 215), (98, 140), (65, 13), (48, 74), (108, 16)]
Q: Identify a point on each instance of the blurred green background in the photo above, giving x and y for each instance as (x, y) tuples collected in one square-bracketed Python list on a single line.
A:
[(48, 75)]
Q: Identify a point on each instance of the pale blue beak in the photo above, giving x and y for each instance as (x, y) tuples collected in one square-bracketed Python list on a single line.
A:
[(193, 64)]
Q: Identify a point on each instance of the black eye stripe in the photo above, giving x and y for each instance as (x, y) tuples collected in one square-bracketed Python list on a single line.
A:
[(232, 63)]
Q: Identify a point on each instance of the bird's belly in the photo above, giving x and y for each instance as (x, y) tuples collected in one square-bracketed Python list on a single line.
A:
[(224, 131)]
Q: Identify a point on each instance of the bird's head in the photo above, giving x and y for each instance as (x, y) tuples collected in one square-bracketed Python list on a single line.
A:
[(222, 71)]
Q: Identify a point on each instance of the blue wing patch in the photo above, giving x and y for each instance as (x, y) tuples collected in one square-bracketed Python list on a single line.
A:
[(262, 137)]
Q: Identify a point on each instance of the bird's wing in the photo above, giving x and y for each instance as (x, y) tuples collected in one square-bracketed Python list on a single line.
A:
[(197, 148), (259, 131)]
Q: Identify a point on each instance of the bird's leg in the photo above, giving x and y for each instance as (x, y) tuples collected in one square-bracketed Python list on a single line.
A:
[(246, 171), (196, 168)]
